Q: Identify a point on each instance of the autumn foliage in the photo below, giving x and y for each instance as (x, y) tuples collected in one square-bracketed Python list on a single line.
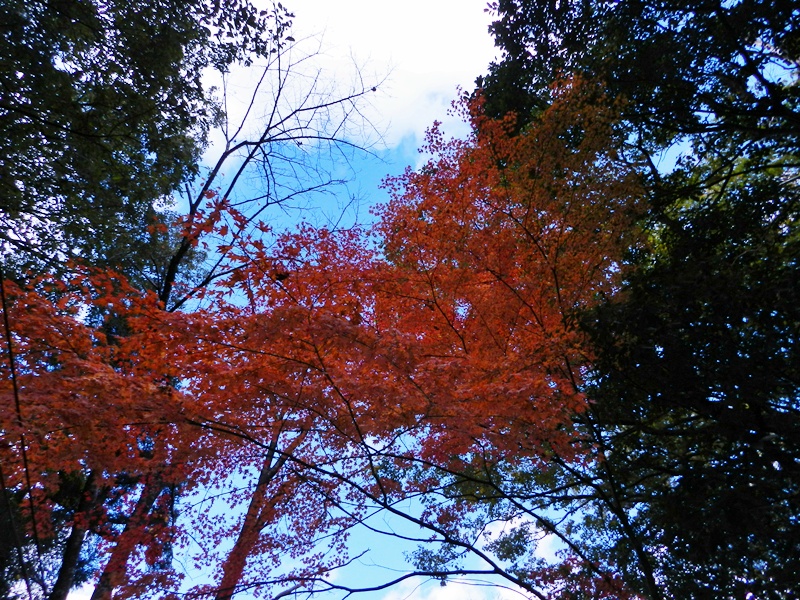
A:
[(333, 372), (494, 248)]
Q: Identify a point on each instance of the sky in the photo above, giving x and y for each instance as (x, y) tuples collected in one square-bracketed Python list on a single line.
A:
[(427, 49), (418, 53)]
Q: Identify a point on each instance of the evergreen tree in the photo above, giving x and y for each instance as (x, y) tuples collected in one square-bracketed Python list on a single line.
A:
[(695, 382)]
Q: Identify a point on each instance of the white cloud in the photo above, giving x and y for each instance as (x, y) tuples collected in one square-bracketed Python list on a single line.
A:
[(421, 51), (82, 593), (427, 47)]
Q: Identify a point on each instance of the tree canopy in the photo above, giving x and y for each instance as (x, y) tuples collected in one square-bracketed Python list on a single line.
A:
[(103, 116), (109, 226), (699, 69), (574, 328), (694, 380)]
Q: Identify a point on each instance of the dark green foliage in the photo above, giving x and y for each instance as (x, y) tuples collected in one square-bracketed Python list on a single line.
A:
[(685, 68), (716, 300), (700, 391), (10, 542), (696, 388), (102, 116)]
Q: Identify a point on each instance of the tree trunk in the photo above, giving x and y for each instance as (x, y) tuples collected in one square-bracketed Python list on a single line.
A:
[(258, 513), (72, 549), (254, 521), (114, 572)]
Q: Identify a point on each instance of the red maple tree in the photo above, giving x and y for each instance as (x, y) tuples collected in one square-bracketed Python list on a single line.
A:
[(335, 376)]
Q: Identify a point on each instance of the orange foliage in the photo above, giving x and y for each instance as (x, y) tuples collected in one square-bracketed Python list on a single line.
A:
[(89, 395), (494, 247)]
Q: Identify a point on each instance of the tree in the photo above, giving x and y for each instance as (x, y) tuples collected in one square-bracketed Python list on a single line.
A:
[(695, 392), (698, 361), (696, 69), (514, 238), (454, 355), (104, 115), (263, 378), (67, 467), (353, 380), (115, 495)]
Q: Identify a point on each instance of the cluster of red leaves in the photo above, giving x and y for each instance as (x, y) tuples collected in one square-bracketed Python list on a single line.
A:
[(494, 248), (91, 403), (88, 391)]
